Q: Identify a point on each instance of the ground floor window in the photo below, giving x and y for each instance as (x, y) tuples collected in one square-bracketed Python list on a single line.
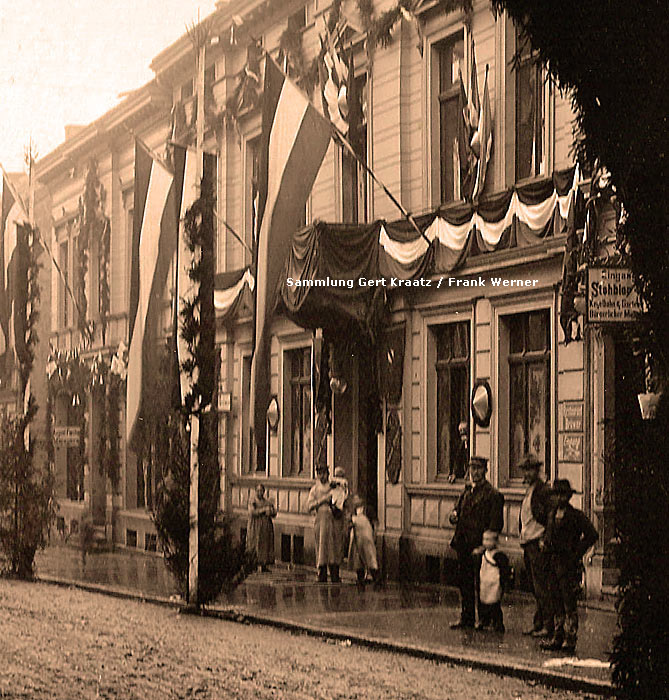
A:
[(297, 412), (529, 387)]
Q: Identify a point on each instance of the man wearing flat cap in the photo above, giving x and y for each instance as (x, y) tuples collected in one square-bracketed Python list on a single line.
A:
[(569, 535), (480, 507), (329, 548), (531, 526)]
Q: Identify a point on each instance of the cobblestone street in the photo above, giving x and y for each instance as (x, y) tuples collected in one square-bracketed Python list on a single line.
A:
[(67, 643)]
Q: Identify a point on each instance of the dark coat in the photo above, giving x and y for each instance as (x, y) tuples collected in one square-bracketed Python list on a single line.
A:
[(540, 503), (478, 509), (568, 539)]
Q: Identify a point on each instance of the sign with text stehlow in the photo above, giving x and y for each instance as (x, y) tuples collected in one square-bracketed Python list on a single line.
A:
[(612, 297)]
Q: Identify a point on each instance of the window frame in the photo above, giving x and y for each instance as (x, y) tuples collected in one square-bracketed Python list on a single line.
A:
[(547, 101), (456, 28), (500, 447), (246, 444), (287, 351), (359, 187), (461, 313)]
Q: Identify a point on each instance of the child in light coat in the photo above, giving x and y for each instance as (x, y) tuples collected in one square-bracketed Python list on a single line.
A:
[(494, 580), (362, 547)]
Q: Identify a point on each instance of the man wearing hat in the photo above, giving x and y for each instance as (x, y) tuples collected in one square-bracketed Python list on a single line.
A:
[(531, 525), (569, 535), (480, 507), (329, 548)]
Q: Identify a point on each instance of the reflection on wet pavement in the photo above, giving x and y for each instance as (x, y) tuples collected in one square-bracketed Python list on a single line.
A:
[(411, 615)]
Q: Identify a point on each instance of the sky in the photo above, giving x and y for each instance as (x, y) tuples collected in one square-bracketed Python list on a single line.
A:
[(66, 61)]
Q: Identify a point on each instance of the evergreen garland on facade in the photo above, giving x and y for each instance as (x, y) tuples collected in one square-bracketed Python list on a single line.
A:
[(93, 224)]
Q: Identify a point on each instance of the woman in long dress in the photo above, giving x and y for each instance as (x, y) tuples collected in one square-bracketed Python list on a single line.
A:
[(328, 544), (260, 530)]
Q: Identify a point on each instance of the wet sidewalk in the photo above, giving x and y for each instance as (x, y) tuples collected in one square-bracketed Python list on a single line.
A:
[(413, 620)]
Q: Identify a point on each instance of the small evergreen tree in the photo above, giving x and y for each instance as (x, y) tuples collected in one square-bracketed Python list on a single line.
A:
[(27, 507), (222, 562)]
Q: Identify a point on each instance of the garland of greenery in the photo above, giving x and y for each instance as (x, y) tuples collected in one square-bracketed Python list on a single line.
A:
[(197, 313), (69, 374), (92, 222)]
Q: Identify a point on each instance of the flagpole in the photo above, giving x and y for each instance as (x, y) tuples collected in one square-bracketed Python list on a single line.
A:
[(193, 539), (345, 143)]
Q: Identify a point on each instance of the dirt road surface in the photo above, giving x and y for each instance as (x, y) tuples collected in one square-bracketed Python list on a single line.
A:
[(65, 643)]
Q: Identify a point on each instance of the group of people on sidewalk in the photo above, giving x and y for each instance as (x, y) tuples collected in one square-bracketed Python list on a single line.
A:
[(341, 529), (554, 536)]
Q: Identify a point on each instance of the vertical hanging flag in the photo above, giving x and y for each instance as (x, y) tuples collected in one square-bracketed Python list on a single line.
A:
[(484, 138), (13, 217), (466, 159), (153, 246), (295, 138), (473, 102)]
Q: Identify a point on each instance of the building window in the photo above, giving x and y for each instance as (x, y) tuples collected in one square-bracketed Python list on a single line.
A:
[(354, 178), (452, 396), (529, 387), (448, 60), (297, 412), (251, 460), (63, 283), (529, 85), (251, 191)]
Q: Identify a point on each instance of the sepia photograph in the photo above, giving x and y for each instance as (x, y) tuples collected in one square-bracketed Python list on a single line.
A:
[(333, 349)]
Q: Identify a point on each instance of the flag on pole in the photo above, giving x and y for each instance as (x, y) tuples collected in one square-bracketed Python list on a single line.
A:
[(465, 156), (334, 78), (187, 191), (295, 138), (473, 102), (153, 246), (12, 235), (484, 138)]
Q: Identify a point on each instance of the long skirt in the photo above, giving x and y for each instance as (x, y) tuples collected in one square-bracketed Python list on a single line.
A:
[(260, 538)]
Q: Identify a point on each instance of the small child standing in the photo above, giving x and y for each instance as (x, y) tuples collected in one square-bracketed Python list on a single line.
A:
[(494, 580), (362, 547)]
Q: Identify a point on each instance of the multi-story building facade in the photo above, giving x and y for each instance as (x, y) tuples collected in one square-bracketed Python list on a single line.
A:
[(463, 337)]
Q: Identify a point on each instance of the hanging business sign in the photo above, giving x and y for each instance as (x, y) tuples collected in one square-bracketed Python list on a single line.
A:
[(612, 297)]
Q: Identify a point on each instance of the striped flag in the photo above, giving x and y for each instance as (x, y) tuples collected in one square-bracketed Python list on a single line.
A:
[(334, 75), (483, 137), (295, 138), (187, 191), (153, 246), (13, 276)]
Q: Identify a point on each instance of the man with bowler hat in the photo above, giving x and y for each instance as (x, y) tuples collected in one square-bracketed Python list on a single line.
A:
[(480, 507), (569, 535), (532, 520)]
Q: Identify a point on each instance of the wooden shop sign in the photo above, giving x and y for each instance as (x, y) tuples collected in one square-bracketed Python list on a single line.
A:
[(612, 297)]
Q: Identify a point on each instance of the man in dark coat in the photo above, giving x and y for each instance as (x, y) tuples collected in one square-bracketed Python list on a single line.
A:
[(480, 507), (531, 526), (569, 535)]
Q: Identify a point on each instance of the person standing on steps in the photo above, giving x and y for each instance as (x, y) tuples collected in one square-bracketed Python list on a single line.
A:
[(532, 519), (480, 507), (329, 549)]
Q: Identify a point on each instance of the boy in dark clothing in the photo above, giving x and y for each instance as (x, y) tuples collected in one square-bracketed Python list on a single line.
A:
[(569, 535), (494, 581)]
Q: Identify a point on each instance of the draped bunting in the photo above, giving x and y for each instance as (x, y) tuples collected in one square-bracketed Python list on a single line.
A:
[(327, 260)]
